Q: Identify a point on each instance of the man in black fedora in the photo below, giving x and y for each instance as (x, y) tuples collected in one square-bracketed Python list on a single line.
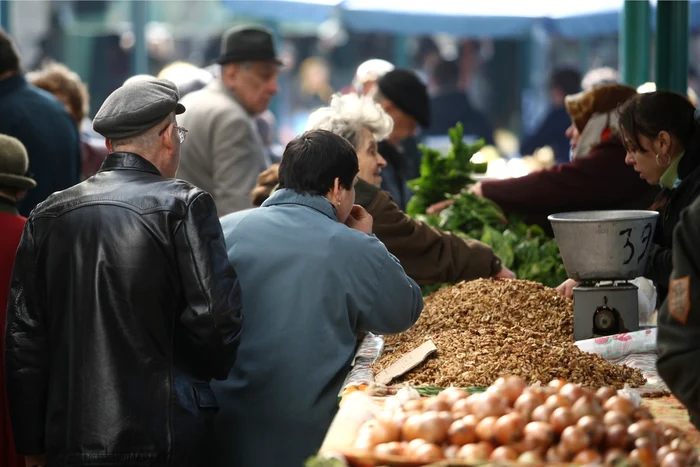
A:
[(225, 153)]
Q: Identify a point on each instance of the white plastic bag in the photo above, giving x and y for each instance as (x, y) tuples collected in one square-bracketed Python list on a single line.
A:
[(646, 296)]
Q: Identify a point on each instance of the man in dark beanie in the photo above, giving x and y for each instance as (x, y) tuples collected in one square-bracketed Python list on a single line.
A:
[(225, 153), (405, 98), (123, 304), (42, 124)]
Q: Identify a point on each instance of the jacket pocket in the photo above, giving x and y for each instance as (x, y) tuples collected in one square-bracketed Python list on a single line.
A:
[(205, 397)]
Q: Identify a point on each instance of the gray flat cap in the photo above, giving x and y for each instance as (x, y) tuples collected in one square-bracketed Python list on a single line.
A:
[(136, 107)]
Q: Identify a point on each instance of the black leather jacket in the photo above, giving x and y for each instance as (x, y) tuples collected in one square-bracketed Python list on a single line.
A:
[(123, 306)]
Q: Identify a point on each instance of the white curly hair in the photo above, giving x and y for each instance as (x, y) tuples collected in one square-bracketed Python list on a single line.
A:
[(348, 114)]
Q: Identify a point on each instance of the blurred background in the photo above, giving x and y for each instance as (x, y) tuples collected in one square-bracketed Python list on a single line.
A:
[(506, 50)]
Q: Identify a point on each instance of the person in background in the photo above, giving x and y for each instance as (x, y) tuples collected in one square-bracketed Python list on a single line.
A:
[(678, 340), (187, 77), (14, 184), (66, 86), (552, 131), (405, 98), (123, 304), (661, 135), (225, 153), (42, 124), (324, 278), (368, 73), (427, 255), (450, 105), (596, 178)]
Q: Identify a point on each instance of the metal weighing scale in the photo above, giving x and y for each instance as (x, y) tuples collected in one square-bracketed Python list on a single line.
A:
[(604, 250)]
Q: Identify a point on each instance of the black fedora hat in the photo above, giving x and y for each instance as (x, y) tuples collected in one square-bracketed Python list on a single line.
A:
[(247, 43)]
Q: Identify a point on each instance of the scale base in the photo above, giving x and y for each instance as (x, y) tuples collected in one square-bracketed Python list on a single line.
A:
[(604, 310)]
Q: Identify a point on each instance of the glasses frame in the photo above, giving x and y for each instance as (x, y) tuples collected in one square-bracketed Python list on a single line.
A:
[(181, 131)]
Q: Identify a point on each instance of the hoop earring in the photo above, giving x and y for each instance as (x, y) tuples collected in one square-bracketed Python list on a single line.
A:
[(666, 164)]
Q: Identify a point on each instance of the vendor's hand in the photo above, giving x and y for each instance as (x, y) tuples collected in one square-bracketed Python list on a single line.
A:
[(567, 288), (35, 461), (504, 273), (476, 190), (360, 219), (437, 207)]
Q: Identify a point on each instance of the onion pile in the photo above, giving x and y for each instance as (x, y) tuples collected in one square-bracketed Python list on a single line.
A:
[(511, 421)]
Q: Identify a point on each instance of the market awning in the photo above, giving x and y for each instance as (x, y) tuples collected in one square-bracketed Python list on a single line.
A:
[(314, 11)]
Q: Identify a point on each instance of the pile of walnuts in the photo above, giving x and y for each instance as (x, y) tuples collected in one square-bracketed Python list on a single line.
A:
[(485, 329)]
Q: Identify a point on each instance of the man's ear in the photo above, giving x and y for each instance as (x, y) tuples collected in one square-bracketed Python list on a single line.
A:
[(167, 137), (108, 145)]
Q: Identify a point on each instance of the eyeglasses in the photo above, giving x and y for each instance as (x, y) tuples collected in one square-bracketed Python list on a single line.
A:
[(181, 132)]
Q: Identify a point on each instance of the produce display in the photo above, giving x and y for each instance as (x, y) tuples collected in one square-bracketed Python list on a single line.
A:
[(522, 248), (484, 329), (558, 423)]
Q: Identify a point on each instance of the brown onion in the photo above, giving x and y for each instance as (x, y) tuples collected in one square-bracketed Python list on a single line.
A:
[(542, 413), (461, 408), (587, 405), (512, 387), (671, 433), (642, 429), (490, 405), (588, 457), (616, 437), (451, 451), (394, 448), (574, 439), (428, 452), (452, 394), (476, 452), (433, 404), (620, 404), (430, 428), (556, 454), (509, 428), (527, 403), (642, 414), (561, 419), (605, 393), (374, 432), (661, 453), (446, 418), (413, 404), (504, 453), (681, 445), (571, 391), (643, 457), (557, 384), (485, 429), (530, 457), (593, 428), (614, 417), (539, 434), (674, 459), (410, 429), (413, 445), (615, 456), (557, 400), (462, 432)]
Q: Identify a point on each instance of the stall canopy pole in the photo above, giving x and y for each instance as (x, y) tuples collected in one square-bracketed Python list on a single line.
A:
[(635, 41), (139, 56), (5, 16), (672, 29)]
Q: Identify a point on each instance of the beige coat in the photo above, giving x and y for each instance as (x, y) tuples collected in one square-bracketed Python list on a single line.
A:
[(223, 153)]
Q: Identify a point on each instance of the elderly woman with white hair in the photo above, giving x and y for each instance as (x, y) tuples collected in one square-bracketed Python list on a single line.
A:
[(427, 255)]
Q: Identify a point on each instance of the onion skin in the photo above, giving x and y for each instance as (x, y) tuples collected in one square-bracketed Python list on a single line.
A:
[(485, 429), (587, 405), (587, 457), (674, 459), (511, 386), (620, 404), (557, 384), (428, 452), (390, 449), (477, 452), (571, 391), (543, 413), (593, 428), (527, 403), (557, 400), (530, 457), (412, 405), (613, 456), (605, 393), (539, 435), (462, 432), (614, 417), (451, 451), (504, 453), (434, 404), (461, 408), (643, 457), (561, 419), (490, 405), (509, 428), (451, 395), (616, 437), (661, 453), (575, 440)]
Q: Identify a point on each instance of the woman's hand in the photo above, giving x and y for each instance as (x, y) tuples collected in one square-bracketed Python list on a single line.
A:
[(504, 273), (360, 219), (567, 288)]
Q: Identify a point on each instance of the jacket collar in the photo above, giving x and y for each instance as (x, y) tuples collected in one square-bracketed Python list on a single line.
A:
[(218, 86), (11, 84), (316, 202), (128, 161)]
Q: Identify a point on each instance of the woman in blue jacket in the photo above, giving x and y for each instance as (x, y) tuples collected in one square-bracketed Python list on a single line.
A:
[(312, 277)]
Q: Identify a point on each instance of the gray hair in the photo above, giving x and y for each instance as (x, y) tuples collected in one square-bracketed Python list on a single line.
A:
[(348, 114), (146, 141)]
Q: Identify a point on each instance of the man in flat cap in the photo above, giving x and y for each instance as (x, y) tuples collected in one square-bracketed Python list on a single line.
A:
[(404, 97), (225, 153), (123, 304)]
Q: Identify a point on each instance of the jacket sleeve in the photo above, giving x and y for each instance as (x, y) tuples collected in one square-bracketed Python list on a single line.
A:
[(212, 318), (599, 177), (429, 255), (397, 301), (26, 351), (660, 265), (678, 338), (235, 168)]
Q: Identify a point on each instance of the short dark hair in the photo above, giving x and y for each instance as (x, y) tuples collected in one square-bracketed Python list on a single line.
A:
[(311, 163), (649, 114), (9, 56), (446, 73), (566, 79)]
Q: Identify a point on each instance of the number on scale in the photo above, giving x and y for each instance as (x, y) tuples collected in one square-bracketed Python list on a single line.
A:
[(645, 238)]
